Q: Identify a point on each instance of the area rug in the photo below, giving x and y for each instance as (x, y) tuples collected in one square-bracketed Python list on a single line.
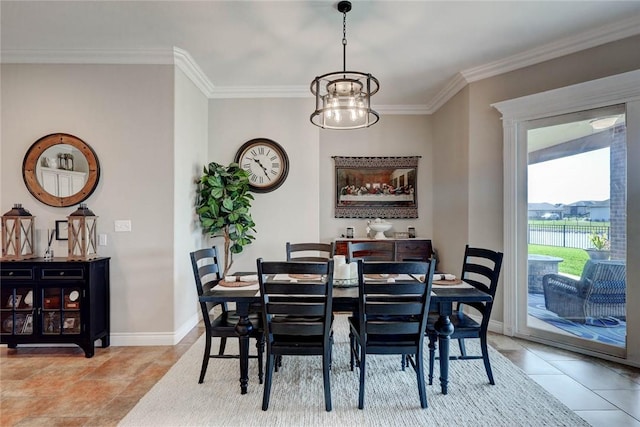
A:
[(391, 397), (610, 331)]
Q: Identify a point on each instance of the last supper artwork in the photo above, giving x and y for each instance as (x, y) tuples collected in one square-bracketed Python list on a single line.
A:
[(376, 187)]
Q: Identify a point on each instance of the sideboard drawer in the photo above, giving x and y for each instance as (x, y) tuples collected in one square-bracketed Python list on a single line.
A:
[(406, 249), (62, 273), (16, 274), (413, 250)]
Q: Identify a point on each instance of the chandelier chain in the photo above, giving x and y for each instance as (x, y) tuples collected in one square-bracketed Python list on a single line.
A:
[(344, 41)]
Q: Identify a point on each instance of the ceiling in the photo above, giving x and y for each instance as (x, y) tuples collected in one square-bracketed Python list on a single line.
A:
[(421, 51)]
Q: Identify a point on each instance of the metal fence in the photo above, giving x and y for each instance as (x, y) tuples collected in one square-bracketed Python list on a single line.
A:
[(565, 235)]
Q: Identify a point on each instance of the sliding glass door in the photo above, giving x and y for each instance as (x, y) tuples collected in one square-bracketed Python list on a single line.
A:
[(576, 225)]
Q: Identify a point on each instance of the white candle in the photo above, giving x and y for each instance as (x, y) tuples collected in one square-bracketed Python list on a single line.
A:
[(342, 272), (353, 270), (339, 260)]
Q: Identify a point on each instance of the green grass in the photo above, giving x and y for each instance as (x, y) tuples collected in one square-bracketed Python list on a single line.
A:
[(574, 259)]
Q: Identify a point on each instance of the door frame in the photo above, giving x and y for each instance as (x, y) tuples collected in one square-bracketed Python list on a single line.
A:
[(618, 89)]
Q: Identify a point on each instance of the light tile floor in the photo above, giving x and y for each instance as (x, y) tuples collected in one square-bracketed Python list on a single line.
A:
[(601, 392), (44, 386)]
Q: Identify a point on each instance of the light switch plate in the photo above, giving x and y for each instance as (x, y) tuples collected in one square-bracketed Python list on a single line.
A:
[(102, 240), (123, 225)]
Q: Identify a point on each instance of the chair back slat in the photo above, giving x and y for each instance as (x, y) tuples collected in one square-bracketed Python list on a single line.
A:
[(393, 329), (389, 308), (310, 252), (306, 309), (206, 272), (299, 288), (297, 329)]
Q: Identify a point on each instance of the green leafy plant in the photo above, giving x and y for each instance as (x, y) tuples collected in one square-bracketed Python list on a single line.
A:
[(600, 241), (223, 207)]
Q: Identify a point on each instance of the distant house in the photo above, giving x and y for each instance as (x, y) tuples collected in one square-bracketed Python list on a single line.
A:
[(545, 211), (600, 211)]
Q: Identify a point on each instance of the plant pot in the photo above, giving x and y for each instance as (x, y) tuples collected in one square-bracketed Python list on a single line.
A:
[(598, 254)]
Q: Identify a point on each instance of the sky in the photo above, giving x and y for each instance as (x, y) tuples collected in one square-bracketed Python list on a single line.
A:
[(570, 179)]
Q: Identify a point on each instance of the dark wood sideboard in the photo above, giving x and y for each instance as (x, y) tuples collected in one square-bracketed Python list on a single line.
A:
[(406, 249), (53, 302)]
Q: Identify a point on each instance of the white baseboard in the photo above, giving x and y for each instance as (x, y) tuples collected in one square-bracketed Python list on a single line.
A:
[(124, 339)]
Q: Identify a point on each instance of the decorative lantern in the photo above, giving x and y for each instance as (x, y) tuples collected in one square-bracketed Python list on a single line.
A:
[(17, 234), (83, 235)]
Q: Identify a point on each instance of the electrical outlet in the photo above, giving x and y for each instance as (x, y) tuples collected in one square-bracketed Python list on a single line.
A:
[(102, 240), (123, 225)]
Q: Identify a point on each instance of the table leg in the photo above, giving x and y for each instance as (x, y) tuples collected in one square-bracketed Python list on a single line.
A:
[(444, 328), (243, 328)]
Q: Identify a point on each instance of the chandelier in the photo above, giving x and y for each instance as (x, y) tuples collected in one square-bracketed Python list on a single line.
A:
[(343, 98)]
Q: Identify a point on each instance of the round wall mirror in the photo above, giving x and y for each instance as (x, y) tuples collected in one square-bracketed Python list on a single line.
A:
[(60, 170)]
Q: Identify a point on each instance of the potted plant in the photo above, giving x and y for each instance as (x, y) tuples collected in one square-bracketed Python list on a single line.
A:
[(223, 208), (600, 249)]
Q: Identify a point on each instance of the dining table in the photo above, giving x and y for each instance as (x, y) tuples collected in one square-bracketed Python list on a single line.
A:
[(345, 299)]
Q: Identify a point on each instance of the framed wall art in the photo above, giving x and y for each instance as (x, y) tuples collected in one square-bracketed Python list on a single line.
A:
[(62, 230), (376, 187)]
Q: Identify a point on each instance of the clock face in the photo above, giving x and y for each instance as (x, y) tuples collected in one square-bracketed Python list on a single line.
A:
[(266, 162)]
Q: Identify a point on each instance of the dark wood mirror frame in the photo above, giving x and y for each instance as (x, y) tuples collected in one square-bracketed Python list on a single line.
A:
[(32, 158)]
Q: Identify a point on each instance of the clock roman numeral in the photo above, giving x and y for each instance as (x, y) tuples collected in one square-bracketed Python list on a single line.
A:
[(246, 166), (254, 178), (275, 165), (272, 158), (261, 150)]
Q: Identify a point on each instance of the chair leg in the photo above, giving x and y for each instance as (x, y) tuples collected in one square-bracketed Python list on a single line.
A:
[(278, 362), (267, 381), (485, 358), (363, 365), (260, 348), (432, 357), (419, 368), (326, 367), (351, 350), (223, 344), (205, 358), (463, 349)]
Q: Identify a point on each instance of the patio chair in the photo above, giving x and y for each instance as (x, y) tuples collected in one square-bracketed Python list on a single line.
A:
[(600, 293)]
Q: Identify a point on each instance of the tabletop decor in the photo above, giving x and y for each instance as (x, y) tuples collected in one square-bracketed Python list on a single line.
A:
[(376, 187), (223, 208), (83, 234), (17, 234)]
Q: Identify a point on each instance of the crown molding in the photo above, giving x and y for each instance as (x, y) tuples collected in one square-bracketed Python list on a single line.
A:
[(598, 36), (185, 62), (453, 86)]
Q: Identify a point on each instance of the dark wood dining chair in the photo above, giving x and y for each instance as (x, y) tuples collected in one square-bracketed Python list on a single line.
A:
[(392, 317), (297, 316), (314, 252), (219, 321), (481, 269), (381, 250)]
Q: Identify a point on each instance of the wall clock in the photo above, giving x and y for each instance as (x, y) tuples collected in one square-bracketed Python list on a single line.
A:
[(266, 162)]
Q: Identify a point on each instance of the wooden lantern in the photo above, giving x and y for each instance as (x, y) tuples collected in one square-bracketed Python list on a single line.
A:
[(17, 234), (83, 235)]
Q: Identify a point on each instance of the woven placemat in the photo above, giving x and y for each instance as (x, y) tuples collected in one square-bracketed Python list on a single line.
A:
[(236, 284), (380, 276), (447, 282), (306, 276)]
